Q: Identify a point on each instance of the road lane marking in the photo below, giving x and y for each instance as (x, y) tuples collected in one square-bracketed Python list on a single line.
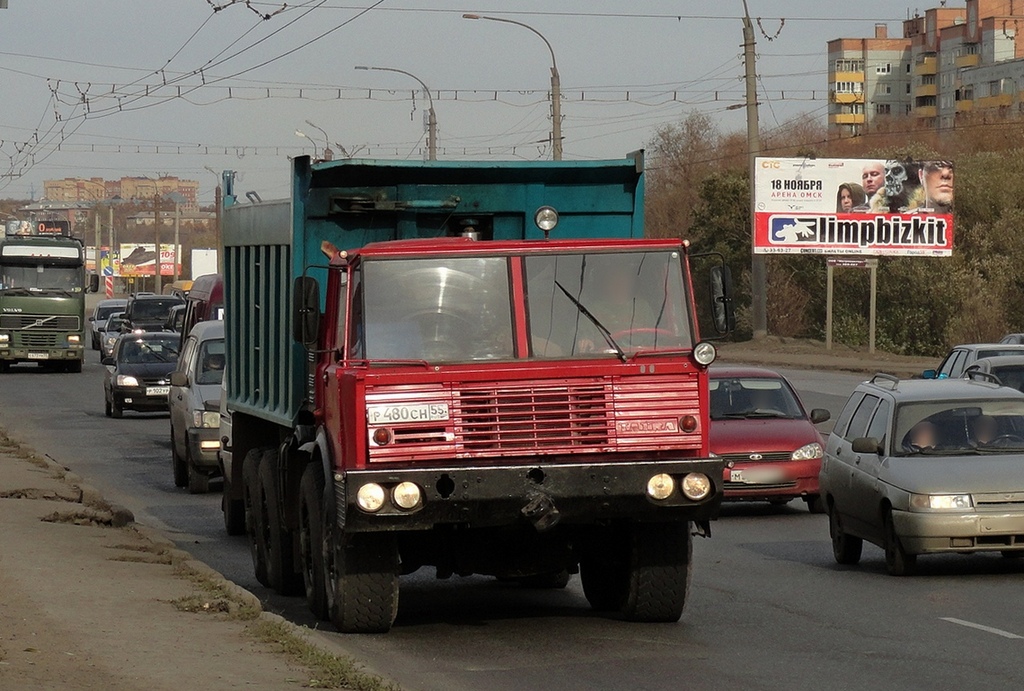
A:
[(981, 627)]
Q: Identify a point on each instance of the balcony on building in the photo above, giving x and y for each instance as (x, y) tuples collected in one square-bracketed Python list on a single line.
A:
[(926, 90), (997, 101), (968, 60), (846, 119), (926, 64), (926, 112), (845, 98), (964, 106)]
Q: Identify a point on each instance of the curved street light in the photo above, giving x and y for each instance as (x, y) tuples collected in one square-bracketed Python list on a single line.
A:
[(300, 133), (556, 84), (431, 116)]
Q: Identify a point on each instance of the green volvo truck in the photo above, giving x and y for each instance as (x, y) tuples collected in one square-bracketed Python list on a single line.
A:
[(42, 296)]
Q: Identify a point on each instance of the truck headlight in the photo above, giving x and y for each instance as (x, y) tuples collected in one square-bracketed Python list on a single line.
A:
[(940, 502), (370, 497), (704, 353), (406, 495), (207, 419), (127, 380), (546, 218), (661, 486), (4, 338), (696, 486), (808, 452), (74, 339)]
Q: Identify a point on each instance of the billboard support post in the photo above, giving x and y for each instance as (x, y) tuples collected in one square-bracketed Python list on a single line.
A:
[(870, 263)]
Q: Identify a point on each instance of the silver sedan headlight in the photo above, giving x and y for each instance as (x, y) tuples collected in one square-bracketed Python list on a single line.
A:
[(941, 502)]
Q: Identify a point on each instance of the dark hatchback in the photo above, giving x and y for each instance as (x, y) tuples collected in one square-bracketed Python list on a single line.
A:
[(139, 371), (150, 312)]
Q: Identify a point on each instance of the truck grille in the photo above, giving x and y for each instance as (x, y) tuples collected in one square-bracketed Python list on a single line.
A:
[(59, 322), (534, 418), (568, 416), (30, 339)]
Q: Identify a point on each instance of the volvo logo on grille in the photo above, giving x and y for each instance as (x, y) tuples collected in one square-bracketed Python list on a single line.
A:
[(756, 457)]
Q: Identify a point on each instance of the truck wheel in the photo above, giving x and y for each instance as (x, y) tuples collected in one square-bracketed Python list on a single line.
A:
[(845, 548), (234, 513), (643, 573), (311, 539), (178, 464), (361, 579), (897, 561), (5, 366), (254, 512), (74, 366), (276, 537)]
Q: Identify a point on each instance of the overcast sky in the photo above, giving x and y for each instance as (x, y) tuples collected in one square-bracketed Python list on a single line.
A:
[(110, 80)]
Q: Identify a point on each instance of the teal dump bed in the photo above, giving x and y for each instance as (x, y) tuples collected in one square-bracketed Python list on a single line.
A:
[(356, 201)]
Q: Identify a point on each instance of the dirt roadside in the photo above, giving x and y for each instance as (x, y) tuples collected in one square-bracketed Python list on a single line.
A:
[(773, 351), (90, 601)]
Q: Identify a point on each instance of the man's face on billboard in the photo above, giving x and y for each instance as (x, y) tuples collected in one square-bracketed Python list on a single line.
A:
[(938, 183), (872, 178)]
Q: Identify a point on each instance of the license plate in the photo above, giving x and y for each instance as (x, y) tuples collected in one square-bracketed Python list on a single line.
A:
[(736, 476), (157, 390), (392, 414), (763, 476), (38, 356)]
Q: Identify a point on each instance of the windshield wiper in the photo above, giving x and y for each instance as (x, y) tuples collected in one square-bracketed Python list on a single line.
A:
[(16, 291), (595, 321)]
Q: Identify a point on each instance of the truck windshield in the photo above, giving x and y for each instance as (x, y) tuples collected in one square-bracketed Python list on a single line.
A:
[(449, 310), (606, 304), (40, 277)]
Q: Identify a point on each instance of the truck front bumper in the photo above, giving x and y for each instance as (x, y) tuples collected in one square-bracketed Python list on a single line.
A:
[(23, 354), (544, 495)]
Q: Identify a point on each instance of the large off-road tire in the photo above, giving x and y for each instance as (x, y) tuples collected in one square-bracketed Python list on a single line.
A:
[(251, 498), (234, 512), (311, 539), (198, 483), (897, 561), (178, 467), (360, 578), (642, 572), (277, 539)]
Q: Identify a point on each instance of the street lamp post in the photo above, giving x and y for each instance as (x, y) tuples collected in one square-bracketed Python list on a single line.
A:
[(431, 116), (300, 133), (328, 154), (556, 84)]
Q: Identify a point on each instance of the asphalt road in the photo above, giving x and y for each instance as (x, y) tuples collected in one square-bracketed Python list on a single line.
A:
[(768, 607)]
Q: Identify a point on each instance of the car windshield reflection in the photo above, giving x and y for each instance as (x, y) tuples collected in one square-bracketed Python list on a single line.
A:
[(752, 397)]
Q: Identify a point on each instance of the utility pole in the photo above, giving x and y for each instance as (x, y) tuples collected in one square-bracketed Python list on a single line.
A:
[(177, 236), (218, 200), (758, 272), (156, 226), (431, 115), (99, 241)]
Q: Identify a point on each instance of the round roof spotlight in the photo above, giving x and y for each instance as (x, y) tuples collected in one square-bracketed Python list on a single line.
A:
[(546, 219)]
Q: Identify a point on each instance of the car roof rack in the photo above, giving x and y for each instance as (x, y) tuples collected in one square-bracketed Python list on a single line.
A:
[(892, 380)]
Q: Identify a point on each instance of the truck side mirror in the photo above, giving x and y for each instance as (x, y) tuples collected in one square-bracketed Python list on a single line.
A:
[(94, 283), (306, 311), (722, 306)]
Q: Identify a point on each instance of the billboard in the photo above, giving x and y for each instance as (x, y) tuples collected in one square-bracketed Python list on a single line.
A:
[(139, 259), (853, 206)]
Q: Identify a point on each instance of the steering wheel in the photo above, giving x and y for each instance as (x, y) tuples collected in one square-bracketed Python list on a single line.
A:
[(663, 333), (1006, 438)]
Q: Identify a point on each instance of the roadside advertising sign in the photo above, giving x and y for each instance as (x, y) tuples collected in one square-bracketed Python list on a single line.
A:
[(853, 207), (139, 259)]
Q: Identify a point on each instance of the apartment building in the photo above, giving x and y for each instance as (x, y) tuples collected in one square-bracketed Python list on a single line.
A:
[(126, 188), (949, 62)]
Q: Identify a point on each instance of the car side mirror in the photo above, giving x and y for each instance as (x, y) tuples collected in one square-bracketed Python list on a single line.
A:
[(722, 307), (867, 445), (929, 374), (306, 311), (108, 361), (94, 283), (819, 415), (179, 378)]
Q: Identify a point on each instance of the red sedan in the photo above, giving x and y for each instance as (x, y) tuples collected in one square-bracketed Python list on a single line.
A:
[(771, 448)]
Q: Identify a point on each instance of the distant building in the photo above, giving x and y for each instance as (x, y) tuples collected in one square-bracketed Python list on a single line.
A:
[(949, 62), (127, 188), (199, 218)]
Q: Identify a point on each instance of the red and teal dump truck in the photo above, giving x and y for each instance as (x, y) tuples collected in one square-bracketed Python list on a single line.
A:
[(478, 367)]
